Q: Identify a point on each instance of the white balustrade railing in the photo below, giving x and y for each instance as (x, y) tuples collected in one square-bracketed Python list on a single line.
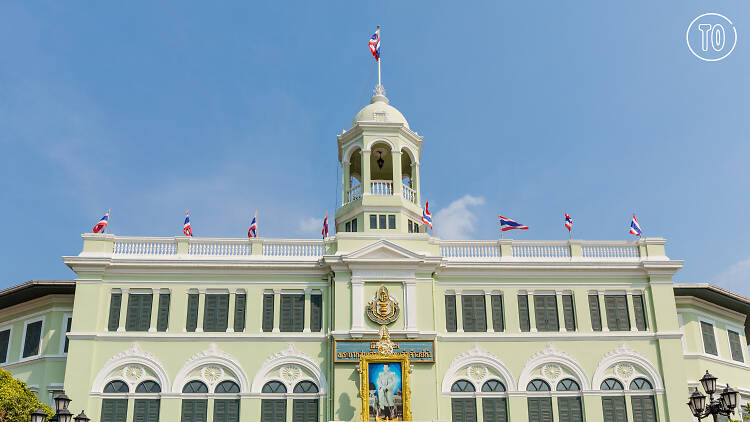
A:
[(381, 187), (292, 248), (596, 250), (542, 250), (220, 247), (409, 194), (469, 249), (145, 246), (353, 194)]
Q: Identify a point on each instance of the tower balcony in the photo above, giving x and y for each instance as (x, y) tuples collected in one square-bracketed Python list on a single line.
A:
[(381, 188)]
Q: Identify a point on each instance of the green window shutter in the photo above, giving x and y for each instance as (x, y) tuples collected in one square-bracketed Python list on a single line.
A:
[(146, 410), (610, 308), (735, 346), (285, 325), (553, 324), (464, 409), (233, 411), (144, 313), (546, 407), (596, 316), (267, 312), (498, 322), (194, 410), (219, 411), (192, 313), (495, 409), (210, 309), (617, 312), (540, 313), (162, 318), (226, 410), (240, 305), (467, 313), (273, 410), (614, 409), (298, 313), (523, 312), (569, 313), (540, 409), (570, 409), (709, 340), (115, 302), (33, 339), (316, 312), (480, 313), (222, 313), (532, 404), (114, 410), (640, 312), (4, 343), (305, 410), (68, 326), (474, 313), (545, 311), (450, 313), (132, 317), (623, 317)]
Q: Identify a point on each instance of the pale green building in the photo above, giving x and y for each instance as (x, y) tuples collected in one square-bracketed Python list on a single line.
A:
[(203, 329)]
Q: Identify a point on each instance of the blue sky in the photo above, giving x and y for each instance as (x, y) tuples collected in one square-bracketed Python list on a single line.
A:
[(531, 109)]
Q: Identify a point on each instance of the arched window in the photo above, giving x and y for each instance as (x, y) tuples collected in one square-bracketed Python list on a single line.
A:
[(227, 410), (569, 408), (540, 408), (194, 409), (643, 405), (494, 408), (613, 407), (273, 409), (146, 409), (464, 409), (305, 409), (115, 409)]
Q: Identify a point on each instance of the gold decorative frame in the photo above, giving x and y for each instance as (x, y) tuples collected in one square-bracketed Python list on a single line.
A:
[(364, 381)]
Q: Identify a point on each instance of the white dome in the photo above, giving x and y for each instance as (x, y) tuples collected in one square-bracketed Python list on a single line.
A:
[(380, 111)]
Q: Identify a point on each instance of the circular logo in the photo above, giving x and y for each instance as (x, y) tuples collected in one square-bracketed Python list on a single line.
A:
[(711, 37)]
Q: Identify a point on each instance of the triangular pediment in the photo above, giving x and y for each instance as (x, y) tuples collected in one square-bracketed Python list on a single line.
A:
[(384, 250)]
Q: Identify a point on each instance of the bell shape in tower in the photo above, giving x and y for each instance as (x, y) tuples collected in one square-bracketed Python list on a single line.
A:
[(379, 156)]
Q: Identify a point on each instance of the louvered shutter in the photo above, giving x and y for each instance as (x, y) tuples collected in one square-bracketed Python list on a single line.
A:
[(639, 312), (569, 313), (131, 316), (464, 409), (114, 410), (192, 313), (222, 313), (194, 410), (553, 324), (498, 322), (240, 305), (226, 410), (267, 312), (285, 325), (623, 317), (305, 410), (545, 311), (162, 317), (709, 340), (474, 313), (115, 302), (614, 409), (33, 339), (596, 316), (144, 313), (4, 342), (298, 316), (210, 310), (153, 411), (546, 409), (220, 414), (494, 409), (523, 312), (233, 411), (735, 346), (146, 410), (569, 409), (610, 308), (540, 313), (273, 410), (450, 313), (467, 313), (316, 313), (534, 411)]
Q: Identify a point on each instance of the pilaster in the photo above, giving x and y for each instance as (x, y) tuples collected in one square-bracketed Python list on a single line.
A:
[(230, 314), (415, 182), (124, 308), (631, 311), (358, 298), (532, 312), (396, 171), (603, 311), (560, 311), (345, 182), (459, 313), (155, 295), (201, 310), (306, 323), (410, 293), (488, 311), (276, 310), (366, 176)]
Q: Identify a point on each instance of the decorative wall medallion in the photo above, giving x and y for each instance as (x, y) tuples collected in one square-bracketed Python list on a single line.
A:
[(551, 371), (133, 372), (382, 309), (624, 370), (289, 373), (212, 373), (477, 372)]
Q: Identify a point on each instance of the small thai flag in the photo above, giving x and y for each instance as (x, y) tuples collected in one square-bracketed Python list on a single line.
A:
[(508, 224), (375, 44), (568, 222), (635, 228), (324, 232), (186, 227), (426, 216), (253, 230), (102, 224)]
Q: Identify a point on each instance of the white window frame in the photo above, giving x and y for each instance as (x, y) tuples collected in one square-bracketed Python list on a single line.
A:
[(63, 334), (703, 345), (23, 338), (727, 329), (8, 328)]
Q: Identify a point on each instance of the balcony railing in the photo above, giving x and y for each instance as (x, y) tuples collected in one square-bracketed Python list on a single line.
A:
[(381, 187), (353, 194), (521, 250), (409, 193), (173, 247)]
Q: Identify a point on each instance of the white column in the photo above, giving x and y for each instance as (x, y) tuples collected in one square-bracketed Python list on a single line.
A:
[(366, 176), (307, 311), (532, 312), (410, 297), (345, 182), (276, 310), (603, 311), (488, 311), (415, 182), (459, 313), (155, 294), (230, 313), (201, 310), (560, 311), (123, 308), (358, 304), (396, 158), (631, 311)]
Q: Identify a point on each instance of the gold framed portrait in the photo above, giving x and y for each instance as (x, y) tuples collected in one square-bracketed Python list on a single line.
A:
[(384, 387)]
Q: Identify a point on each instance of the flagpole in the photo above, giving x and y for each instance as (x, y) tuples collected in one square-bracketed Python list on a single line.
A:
[(379, 58), (109, 220)]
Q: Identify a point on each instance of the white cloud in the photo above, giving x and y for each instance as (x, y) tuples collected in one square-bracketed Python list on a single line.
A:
[(311, 225), (736, 277), (457, 220)]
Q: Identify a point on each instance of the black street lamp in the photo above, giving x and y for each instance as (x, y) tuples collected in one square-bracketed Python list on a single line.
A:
[(722, 405), (81, 417), (38, 415)]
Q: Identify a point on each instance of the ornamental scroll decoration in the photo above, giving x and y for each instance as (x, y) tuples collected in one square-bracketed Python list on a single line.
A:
[(382, 309)]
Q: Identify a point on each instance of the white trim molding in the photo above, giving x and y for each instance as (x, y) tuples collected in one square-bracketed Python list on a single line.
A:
[(290, 356), (624, 354), (552, 355), (213, 356), (476, 356), (132, 356)]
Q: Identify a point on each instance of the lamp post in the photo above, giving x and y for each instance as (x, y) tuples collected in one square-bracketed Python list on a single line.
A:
[(61, 406), (724, 404), (38, 415), (81, 417)]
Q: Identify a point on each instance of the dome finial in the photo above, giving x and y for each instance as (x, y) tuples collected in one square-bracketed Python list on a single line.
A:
[(379, 94)]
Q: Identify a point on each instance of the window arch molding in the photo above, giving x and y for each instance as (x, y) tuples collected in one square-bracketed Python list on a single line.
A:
[(289, 356), (387, 141), (624, 354), (211, 356), (551, 355), (347, 154), (135, 356), (476, 356)]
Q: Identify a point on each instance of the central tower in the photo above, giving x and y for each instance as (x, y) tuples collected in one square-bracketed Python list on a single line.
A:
[(380, 157)]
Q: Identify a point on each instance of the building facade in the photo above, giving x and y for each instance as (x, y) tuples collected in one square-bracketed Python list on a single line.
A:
[(202, 329)]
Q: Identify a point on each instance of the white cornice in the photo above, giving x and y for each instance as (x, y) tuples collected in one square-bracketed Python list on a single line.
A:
[(194, 336)]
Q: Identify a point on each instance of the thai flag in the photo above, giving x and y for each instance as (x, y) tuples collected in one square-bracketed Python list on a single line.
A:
[(253, 230), (568, 222), (102, 224), (325, 227), (635, 228), (186, 227), (426, 216), (375, 44), (508, 224)]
